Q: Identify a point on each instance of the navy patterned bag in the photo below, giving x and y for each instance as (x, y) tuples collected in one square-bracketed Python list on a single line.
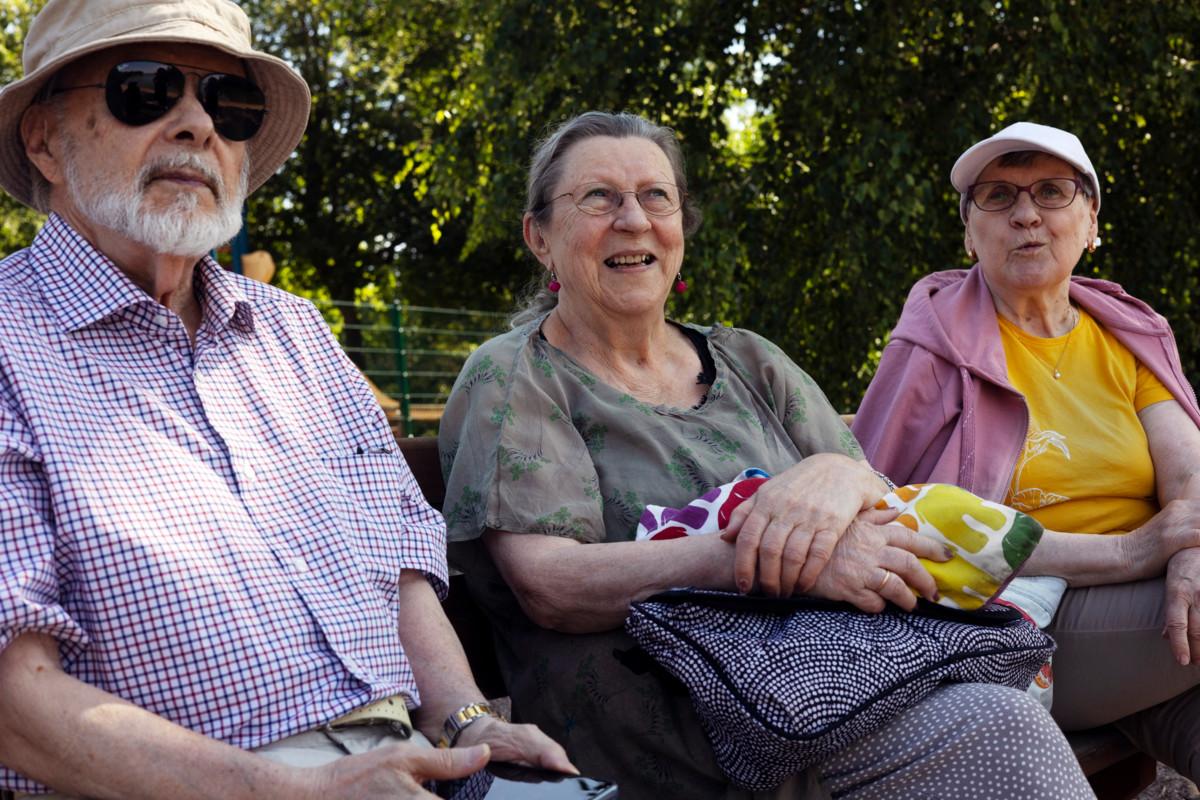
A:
[(781, 684)]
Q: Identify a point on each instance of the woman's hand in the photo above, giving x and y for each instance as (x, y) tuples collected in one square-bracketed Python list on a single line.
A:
[(787, 531), (518, 744), (1183, 606), (1147, 550), (876, 563)]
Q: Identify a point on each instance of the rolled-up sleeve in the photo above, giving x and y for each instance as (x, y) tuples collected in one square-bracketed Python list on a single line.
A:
[(29, 580)]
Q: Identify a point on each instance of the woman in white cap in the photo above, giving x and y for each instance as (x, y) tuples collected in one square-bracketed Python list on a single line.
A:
[(1064, 397)]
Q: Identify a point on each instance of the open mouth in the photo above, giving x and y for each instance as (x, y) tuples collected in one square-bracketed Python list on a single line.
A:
[(633, 260)]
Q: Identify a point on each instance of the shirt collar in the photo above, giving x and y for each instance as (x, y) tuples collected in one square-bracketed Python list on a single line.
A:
[(222, 298), (83, 286)]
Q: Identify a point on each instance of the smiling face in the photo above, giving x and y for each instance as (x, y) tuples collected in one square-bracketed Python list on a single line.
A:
[(173, 185), (1026, 249), (619, 265)]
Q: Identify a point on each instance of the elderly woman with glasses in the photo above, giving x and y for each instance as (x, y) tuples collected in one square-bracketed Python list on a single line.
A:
[(559, 432), (1063, 397)]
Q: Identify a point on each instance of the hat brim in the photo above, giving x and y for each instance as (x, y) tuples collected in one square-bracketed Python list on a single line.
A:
[(287, 95), (972, 162)]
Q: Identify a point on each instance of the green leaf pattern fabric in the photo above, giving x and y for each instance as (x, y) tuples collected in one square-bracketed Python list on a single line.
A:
[(531, 427)]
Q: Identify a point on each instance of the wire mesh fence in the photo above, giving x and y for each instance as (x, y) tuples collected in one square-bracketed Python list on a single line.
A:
[(411, 354)]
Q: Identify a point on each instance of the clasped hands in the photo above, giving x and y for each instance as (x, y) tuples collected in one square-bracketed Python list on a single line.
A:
[(812, 529)]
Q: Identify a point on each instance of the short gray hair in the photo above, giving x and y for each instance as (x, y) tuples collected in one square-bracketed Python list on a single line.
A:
[(546, 169), (1023, 158)]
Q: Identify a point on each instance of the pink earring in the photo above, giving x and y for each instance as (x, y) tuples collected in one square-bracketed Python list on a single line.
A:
[(680, 284), (553, 285)]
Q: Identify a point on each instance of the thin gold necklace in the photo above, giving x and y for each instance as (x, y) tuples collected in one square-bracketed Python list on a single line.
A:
[(1066, 344)]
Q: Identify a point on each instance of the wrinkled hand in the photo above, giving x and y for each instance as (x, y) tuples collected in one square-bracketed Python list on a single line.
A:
[(519, 744), (1174, 528), (1183, 606), (395, 771), (786, 532), (875, 563)]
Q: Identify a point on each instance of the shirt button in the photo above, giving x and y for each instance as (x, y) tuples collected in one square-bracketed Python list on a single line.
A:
[(160, 319), (246, 474), (300, 565)]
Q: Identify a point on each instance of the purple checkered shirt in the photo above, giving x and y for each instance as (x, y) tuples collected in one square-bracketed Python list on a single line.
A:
[(215, 531)]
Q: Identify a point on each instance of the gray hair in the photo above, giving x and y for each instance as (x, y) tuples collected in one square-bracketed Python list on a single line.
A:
[(546, 169), (1023, 158)]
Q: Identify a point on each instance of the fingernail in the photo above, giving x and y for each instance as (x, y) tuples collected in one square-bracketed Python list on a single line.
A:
[(937, 596), (949, 553), (743, 586)]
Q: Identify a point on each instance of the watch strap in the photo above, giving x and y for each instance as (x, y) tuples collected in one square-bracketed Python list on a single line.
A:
[(462, 719)]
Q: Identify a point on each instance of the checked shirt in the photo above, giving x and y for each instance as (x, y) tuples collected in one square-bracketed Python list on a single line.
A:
[(215, 531)]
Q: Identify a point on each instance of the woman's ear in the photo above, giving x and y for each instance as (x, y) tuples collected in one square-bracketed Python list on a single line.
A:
[(535, 239), (39, 132)]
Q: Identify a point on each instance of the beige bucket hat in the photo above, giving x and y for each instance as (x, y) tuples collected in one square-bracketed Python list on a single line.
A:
[(66, 30)]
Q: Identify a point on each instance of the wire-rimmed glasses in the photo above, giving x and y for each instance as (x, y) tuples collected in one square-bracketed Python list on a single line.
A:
[(598, 199)]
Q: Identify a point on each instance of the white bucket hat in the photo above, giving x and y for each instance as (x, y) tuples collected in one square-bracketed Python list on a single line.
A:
[(1022, 136), (66, 30)]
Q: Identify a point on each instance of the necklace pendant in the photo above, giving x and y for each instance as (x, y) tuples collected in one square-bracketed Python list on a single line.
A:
[(1057, 374)]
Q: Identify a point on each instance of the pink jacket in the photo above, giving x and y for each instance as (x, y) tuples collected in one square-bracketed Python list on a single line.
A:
[(940, 407)]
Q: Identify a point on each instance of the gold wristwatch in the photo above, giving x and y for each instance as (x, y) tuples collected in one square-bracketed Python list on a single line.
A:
[(462, 719)]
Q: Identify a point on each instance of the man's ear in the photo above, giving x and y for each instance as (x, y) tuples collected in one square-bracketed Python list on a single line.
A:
[(40, 133)]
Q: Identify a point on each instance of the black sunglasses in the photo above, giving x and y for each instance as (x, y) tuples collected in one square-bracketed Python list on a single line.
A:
[(139, 92)]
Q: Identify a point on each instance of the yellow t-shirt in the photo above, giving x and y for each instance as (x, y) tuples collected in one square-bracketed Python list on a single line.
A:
[(1086, 465)]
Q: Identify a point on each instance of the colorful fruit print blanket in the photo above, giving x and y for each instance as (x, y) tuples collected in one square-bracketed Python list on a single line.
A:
[(989, 541)]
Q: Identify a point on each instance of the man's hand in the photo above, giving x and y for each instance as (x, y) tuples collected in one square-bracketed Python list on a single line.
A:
[(1183, 606), (519, 744), (395, 771), (786, 533)]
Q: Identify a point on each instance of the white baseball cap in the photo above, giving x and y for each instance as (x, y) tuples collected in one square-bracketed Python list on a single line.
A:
[(1023, 136)]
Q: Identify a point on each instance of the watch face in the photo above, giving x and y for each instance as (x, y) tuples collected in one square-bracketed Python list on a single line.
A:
[(503, 781)]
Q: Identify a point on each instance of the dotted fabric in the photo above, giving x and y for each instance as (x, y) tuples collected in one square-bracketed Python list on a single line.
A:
[(779, 692)]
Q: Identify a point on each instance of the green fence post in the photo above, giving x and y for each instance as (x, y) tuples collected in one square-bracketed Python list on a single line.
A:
[(401, 342)]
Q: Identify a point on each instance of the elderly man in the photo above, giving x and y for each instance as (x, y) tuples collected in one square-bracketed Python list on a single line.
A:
[(210, 545)]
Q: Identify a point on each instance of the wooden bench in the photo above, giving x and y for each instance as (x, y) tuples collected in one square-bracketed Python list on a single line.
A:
[(1115, 769)]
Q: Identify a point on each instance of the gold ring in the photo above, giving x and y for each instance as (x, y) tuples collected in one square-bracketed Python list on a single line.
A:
[(887, 576)]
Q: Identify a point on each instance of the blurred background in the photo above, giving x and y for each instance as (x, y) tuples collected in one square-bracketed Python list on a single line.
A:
[(819, 139)]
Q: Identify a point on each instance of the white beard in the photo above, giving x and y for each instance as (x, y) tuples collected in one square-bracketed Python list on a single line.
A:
[(180, 229)]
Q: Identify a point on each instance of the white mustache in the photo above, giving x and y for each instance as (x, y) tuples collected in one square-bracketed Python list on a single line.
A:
[(182, 160)]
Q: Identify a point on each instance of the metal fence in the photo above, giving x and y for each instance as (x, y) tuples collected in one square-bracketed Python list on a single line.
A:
[(411, 353)]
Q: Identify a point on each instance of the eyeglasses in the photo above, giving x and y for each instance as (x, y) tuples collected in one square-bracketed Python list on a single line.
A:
[(1001, 195), (139, 92), (598, 199)]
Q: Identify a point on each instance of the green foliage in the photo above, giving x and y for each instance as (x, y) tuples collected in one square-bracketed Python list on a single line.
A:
[(819, 139), (18, 224), (832, 195)]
